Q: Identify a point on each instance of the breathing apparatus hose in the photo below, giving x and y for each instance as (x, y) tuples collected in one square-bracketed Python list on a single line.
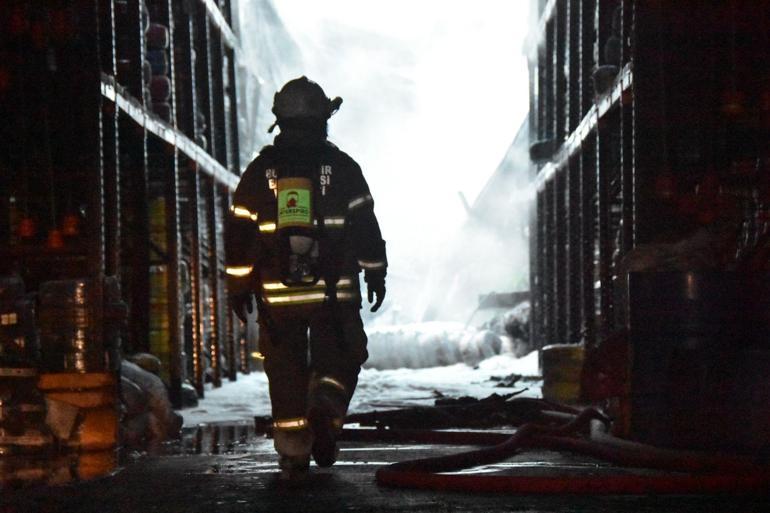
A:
[(586, 433)]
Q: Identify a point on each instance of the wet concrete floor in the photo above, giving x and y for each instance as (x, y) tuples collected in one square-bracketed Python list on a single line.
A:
[(220, 469)]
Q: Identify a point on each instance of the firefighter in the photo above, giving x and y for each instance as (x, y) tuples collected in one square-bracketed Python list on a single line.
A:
[(300, 229)]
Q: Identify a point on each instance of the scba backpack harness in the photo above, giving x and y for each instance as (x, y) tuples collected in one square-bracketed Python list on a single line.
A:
[(298, 231), (307, 254)]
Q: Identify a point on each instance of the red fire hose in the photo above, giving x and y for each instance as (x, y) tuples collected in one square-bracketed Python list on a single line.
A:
[(584, 433)]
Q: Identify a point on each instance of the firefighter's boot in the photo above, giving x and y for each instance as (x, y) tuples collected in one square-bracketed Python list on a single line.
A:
[(293, 468), (326, 413), (293, 441)]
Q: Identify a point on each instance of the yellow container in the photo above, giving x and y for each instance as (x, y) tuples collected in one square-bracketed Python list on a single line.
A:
[(159, 342), (562, 366), (159, 240), (157, 214), (158, 282), (159, 316), (96, 464), (93, 396)]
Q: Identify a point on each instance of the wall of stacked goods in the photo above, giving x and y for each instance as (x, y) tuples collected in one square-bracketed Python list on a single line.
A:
[(650, 123), (581, 111), (119, 157)]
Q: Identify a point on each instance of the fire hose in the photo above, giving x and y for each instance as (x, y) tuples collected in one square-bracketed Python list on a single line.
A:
[(582, 432)]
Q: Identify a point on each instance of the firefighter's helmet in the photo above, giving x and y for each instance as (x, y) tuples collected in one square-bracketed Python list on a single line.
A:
[(301, 99)]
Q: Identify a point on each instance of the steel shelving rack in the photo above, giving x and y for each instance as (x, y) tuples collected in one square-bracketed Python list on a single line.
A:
[(583, 188), (151, 170), (639, 109)]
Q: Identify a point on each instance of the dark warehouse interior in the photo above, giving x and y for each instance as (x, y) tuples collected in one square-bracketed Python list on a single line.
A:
[(122, 142)]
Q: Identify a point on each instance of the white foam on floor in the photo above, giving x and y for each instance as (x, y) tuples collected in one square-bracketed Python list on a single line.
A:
[(431, 344), (377, 389)]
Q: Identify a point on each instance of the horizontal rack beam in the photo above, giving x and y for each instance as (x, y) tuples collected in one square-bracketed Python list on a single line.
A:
[(603, 104), (216, 16), (229, 37), (538, 33), (166, 132)]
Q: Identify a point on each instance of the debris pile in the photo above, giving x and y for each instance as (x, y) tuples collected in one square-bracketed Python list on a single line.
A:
[(148, 418)]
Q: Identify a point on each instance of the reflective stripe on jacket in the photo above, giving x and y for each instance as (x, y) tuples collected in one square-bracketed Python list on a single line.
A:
[(344, 216), (276, 293)]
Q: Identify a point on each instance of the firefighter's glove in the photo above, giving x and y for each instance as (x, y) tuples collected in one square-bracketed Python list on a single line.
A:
[(242, 305), (375, 286)]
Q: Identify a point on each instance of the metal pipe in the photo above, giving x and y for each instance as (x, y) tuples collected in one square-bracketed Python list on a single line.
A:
[(231, 321), (215, 256), (195, 278)]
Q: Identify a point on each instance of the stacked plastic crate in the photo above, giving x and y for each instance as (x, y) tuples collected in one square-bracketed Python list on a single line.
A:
[(129, 48), (78, 378), (22, 408), (159, 313), (157, 40)]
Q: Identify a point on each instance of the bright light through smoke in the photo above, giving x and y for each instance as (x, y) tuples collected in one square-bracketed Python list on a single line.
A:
[(434, 92)]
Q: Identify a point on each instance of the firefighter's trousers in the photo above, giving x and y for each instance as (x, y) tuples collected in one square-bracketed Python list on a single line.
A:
[(313, 354)]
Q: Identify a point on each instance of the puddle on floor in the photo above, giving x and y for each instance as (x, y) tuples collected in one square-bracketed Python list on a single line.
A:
[(20, 471), (53, 469), (229, 438), (239, 439)]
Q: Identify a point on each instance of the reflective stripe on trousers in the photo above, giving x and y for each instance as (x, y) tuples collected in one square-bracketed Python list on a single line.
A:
[(294, 424), (276, 293)]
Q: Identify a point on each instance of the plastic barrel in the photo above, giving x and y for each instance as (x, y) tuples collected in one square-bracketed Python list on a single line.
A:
[(11, 288), (69, 341), (160, 88), (681, 325), (22, 408), (157, 36), (158, 62), (22, 413), (20, 471), (163, 110), (86, 409), (18, 332)]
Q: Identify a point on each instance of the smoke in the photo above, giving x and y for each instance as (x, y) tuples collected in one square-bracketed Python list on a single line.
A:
[(434, 93)]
